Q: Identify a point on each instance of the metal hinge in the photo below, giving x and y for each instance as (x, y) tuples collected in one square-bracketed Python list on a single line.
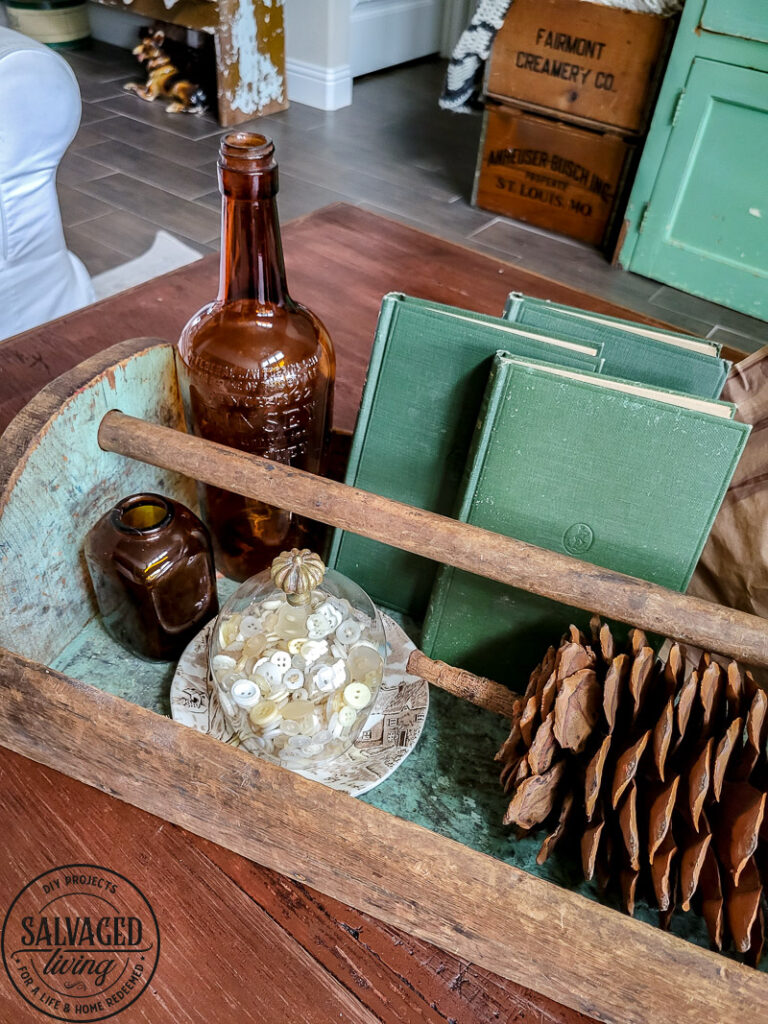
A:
[(643, 219), (676, 108)]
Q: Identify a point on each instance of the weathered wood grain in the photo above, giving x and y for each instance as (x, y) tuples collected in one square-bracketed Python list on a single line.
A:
[(340, 261), (485, 693), (377, 962), (560, 577), (584, 955), (213, 966), (217, 945), (53, 474)]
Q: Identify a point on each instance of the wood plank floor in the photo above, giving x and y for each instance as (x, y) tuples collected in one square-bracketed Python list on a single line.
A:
[(132, 169)]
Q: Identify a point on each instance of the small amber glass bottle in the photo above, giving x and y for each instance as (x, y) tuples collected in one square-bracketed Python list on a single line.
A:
[(151, 564), (256, 368)]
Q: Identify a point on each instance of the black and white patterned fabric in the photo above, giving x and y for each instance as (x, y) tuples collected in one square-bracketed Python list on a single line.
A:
[(464, 78)]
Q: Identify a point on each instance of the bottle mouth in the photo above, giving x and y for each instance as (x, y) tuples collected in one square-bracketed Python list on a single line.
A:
[(142, 513), (247, 151)]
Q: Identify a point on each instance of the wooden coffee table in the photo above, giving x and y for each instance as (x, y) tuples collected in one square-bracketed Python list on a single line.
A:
[(239, 942)]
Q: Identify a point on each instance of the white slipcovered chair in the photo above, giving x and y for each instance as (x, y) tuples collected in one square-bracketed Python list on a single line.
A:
[(39, 115)]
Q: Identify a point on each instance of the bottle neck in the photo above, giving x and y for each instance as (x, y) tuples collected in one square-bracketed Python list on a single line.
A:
[(251, 252)]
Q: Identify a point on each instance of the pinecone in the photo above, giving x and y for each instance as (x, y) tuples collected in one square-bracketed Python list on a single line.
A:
[(661, 776)]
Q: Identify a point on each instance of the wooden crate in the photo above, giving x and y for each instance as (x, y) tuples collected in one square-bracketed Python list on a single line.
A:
[(558, 176), (481, 908), (584, 61)]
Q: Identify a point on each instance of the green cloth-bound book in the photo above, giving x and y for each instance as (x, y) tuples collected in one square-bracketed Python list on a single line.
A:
[(664, 359), (618, 474), (428, 371)]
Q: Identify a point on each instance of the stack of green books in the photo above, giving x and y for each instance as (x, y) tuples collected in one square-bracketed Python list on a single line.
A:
[(586, 435)]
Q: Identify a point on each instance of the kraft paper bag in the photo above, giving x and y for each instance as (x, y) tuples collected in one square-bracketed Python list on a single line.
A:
[(733, 569)]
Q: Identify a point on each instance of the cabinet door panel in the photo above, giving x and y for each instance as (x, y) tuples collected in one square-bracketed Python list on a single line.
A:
[(746, 18), (706, 227)]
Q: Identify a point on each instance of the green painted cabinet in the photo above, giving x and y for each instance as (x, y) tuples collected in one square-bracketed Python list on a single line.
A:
[(698, 214)]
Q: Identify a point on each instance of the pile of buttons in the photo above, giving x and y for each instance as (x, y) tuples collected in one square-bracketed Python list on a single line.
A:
[(296, 683)]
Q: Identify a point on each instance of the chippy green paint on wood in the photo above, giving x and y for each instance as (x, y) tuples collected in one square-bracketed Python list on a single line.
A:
[(697, 218), (745, 18), (63, 486)]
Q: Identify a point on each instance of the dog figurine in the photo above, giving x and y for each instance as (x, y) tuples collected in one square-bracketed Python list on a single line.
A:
[(164, 80)]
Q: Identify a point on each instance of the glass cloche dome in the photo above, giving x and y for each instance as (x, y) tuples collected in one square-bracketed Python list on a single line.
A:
[(297, 658)]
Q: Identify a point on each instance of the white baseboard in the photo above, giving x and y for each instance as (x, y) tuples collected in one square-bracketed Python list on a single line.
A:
[(318, 86), (388, 32)]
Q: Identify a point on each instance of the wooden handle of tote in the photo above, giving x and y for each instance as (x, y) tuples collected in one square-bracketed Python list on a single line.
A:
[(688, 619)]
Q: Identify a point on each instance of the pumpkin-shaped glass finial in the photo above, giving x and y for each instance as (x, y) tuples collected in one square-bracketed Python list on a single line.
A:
[(297, 574)]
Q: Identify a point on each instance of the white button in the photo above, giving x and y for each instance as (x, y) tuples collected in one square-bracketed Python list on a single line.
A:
[(318, 627), (270, 671), (279, 693), (347, 717), (300, 694), (290, 728), (293, 679), (311, 650), (271, 604), (263, 714), (282, 660), (349, 631), (294, 646), (357, 695), (339, 672), (221, 662), (249, 626), (331, 614), (245, 693), (325, 678)]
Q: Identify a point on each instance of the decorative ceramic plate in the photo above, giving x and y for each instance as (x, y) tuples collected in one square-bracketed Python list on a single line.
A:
[(390, 734)]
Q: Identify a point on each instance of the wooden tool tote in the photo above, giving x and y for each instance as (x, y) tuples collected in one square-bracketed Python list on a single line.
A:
[(68, 455)]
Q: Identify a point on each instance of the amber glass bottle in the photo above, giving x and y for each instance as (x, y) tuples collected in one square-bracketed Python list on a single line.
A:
[(152, 569), (256, 368)]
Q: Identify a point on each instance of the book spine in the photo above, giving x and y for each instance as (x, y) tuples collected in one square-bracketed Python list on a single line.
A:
[(743, 430), (390, 306), (513, 307), (486, 420)]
